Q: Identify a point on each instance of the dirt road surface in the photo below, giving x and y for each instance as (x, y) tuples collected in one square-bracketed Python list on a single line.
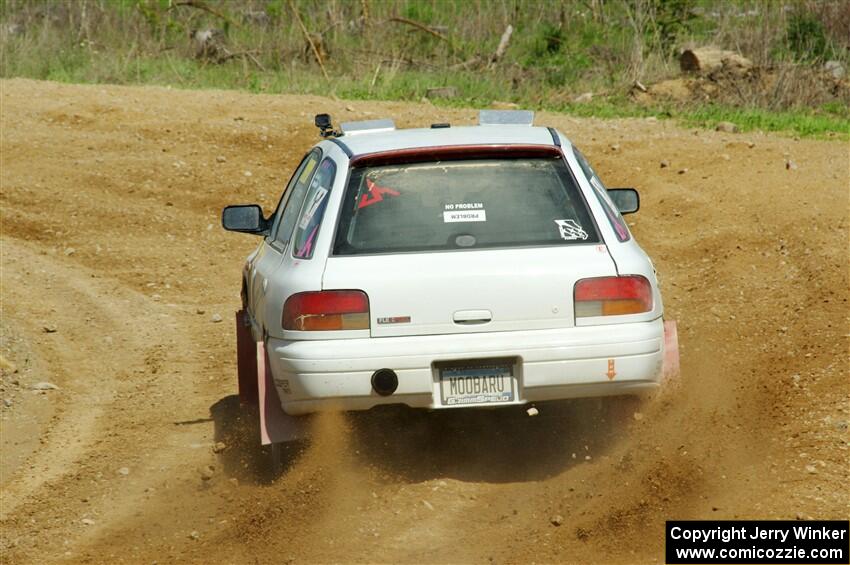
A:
[(114, 269)]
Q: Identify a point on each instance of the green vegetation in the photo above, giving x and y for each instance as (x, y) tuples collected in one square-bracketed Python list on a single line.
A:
[(823, 122), (398, 49), (806, 38)]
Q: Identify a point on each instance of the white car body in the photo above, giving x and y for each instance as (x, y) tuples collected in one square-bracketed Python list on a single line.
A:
[(514, 305)]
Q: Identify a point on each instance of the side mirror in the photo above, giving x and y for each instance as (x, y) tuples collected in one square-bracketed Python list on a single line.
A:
[(627, 200), (245, 218)]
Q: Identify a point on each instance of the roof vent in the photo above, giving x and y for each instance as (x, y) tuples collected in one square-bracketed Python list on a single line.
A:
[(368, 126), (505, 117)]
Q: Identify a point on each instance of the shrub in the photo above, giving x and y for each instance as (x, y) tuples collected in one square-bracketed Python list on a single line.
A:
[(806, 37)]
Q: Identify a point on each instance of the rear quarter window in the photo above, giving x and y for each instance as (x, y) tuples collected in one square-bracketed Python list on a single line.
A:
[(601, 193), (462, 204), (313, 211), (293, 198)]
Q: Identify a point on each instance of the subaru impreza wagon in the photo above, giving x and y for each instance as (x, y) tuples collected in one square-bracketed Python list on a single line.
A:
[(445, 268)]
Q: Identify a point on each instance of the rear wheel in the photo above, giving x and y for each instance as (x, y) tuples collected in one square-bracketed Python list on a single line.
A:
[(279, 457), (274, 459), (243, 456)]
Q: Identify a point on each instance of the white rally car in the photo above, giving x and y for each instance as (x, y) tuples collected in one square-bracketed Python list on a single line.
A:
[(443, 268)]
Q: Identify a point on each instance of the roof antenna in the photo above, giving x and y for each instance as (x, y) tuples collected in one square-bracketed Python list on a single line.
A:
[(323, 122)]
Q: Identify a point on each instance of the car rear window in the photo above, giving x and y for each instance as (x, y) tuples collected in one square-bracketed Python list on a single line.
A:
[(462, 204)]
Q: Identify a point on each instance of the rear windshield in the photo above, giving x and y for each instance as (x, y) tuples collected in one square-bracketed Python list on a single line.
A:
[(462, 204)]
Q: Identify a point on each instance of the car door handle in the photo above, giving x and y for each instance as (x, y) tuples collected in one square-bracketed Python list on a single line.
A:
[(472, 317)]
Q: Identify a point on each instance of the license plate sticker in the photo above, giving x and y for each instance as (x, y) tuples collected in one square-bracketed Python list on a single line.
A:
[(476, 385)]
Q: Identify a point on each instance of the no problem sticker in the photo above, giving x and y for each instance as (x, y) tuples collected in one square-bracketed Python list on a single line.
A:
[(465, 212)]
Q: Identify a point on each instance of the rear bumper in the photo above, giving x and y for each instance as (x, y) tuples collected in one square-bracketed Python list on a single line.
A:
[(576, 362)]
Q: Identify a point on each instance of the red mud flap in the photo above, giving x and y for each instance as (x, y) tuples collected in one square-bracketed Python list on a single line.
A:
[(256, 387), (670, 367), (276, 426), (246, 360)]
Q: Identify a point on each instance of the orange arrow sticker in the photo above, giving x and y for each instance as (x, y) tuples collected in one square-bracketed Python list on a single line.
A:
[(611, 373)]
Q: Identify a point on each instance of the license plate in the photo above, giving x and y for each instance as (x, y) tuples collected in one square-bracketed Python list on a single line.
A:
[(479, 384)]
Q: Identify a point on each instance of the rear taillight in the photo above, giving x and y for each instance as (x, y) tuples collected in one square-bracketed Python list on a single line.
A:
[(327, 310), (612, 296)]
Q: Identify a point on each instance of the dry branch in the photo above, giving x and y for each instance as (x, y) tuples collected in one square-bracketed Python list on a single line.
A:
[(465, 64), (210, 47), (375, 76), (202, 6), (419, 26), (309, 39), (503, 46), (387, 60), (364, 12), (245, 55)]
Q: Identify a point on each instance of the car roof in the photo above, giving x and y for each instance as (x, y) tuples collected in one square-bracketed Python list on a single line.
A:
[(363, 143)]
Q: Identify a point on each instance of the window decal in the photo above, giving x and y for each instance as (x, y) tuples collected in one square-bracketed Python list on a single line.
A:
[(465, 212), (307, 250), (308, 168), (571, 230), (293, 196), (313, 210), (312, 206), (622, 232), (376, 194)]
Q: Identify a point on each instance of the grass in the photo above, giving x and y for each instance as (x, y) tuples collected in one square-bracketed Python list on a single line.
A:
[(83, 66), (819, 123), (557, 51)]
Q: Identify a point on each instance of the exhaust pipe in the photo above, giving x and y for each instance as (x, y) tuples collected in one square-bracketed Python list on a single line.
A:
[(384, 382)]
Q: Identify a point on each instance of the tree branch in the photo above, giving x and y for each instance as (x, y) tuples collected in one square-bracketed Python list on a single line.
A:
[(419, 26), (503, 46), (202, 6), (309, 39)]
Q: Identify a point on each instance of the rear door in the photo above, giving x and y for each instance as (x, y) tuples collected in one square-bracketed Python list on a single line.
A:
[(473, 245)]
